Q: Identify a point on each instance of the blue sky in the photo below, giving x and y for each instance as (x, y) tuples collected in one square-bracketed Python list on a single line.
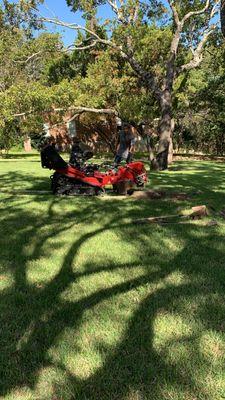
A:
[(62, 11)]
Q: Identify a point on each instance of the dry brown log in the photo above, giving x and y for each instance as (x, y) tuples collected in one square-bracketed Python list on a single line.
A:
[(197, 212)]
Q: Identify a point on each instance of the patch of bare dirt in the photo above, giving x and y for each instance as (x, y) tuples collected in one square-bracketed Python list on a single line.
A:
[(159, 195)]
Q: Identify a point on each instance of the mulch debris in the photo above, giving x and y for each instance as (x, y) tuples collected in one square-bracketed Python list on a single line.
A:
[(160, 195)]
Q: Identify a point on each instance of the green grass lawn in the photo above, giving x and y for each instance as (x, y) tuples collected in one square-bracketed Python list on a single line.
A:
[(94, 307)]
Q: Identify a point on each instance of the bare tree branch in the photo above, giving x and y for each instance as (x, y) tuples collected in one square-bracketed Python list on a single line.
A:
[(77, 27), (175, 13), (117, 10), (109, 111), (113, 5), (215, 9), (199, 12), (74, 26), (125, 54), (79, 47), (197, 53), (29, 58), (78, 110), (136, 11), (170, 70)]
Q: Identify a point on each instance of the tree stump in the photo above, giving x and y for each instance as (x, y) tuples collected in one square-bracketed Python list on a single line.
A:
[(199, 212)]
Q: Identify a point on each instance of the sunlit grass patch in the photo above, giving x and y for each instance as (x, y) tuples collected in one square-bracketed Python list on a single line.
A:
[(94, 306)]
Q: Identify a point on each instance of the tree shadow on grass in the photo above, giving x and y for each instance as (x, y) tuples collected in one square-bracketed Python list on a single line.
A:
[(19, 156), (15, 181), (140, 366), (205, 182)]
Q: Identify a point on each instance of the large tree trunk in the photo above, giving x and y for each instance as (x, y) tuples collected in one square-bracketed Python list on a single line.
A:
[(165, 130), (151, 158), (170, 153), (148, 135)]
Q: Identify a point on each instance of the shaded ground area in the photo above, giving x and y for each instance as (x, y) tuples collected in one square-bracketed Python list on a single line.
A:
[(92, 307)]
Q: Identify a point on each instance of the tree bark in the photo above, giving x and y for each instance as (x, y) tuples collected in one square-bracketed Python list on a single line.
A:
[(165, 130), (151, 158), (170, 152), (147, 134)]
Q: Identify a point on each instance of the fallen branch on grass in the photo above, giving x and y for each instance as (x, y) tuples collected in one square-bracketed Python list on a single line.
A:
[(197, 212)]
